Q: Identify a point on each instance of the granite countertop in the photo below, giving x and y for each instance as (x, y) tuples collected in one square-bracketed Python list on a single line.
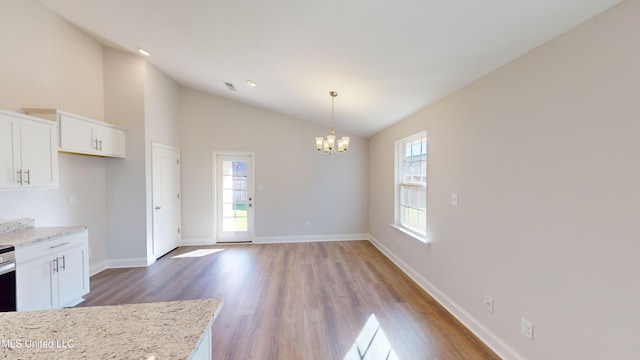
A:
[(164, 330), (29, 236)]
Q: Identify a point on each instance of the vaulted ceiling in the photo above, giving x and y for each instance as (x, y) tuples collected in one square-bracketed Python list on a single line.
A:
[(386, 59)]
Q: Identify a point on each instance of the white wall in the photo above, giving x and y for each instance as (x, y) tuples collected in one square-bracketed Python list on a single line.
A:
[(48, 63), (161, 107), (124, 76), (300, 185), (543, 155), (161, 96)]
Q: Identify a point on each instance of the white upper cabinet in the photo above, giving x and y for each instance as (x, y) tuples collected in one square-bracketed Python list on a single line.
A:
[(85, 136), (28, 152), (9, 150), (111, 141)]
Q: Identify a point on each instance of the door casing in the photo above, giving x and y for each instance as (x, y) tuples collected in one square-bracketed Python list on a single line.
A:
[(250, 190)]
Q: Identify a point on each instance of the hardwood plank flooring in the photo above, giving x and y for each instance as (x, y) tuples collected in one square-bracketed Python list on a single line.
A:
[(299, 301)]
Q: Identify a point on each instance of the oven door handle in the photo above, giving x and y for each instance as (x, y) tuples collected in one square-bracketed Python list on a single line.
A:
[(7, 268)]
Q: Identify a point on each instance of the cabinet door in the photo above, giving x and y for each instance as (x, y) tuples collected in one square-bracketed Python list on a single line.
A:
[(111, 141), (9, 151), (39, 151), (36, 285), (77, 135), (73, 279)]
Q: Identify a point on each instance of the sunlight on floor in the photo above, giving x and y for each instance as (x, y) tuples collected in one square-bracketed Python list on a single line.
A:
[(197, 253), (371, 343)]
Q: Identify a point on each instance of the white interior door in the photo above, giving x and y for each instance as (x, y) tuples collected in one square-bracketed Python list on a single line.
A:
[(166, 198), (234, 217)]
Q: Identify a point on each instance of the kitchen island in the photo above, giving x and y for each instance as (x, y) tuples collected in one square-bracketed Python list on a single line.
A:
[(153, 331)]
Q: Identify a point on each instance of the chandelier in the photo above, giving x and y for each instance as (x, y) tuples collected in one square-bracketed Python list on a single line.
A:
[(328, 145)]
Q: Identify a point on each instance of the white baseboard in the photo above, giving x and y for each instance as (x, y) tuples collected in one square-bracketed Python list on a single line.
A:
[(309, 238), (197, 242), (485, 335), (99, 267), (127, 263)]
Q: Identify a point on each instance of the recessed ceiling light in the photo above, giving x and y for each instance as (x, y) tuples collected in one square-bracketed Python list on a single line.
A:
[(251, 83), (143, 52)]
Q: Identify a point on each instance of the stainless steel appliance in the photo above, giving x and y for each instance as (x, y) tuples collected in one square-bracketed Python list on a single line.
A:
[(7, 279)]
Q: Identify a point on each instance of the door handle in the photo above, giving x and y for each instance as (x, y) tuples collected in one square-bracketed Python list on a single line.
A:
[(64, 263), (28, 177), (55, 265), (19, 172)]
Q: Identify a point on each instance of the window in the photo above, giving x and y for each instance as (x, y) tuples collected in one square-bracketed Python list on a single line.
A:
[(411, 186)]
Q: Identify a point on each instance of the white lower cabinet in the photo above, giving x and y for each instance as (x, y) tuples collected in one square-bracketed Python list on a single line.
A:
[(35, 284), (52, 274)]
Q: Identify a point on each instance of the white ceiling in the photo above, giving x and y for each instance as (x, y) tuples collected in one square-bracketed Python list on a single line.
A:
[(386, 59)]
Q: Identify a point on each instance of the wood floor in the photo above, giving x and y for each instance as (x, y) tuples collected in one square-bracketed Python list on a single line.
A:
[(298, 301)]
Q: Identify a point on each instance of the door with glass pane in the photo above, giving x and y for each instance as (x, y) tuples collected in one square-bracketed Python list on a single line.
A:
[(234, 198)]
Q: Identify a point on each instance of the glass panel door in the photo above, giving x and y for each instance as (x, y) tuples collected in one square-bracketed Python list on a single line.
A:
[(234, 202)]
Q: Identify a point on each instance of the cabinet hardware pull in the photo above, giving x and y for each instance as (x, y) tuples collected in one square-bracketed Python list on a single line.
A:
[(95, 141), (100, 145), (55, 265), (19, 172), (57, 246), (64, 263), (28, 177)]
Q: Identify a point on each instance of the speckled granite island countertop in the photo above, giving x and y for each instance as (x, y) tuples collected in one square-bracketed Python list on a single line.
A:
[(153, 331), (29, 236)]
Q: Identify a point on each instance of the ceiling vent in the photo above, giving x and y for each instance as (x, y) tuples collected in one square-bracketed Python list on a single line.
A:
[(230, 86)]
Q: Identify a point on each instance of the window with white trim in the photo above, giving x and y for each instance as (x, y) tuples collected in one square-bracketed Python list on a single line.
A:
[(411, 186)]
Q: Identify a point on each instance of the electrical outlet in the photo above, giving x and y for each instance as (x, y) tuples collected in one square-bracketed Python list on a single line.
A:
[(526, 328), (488, 303), (73, 200), (454, 199)]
